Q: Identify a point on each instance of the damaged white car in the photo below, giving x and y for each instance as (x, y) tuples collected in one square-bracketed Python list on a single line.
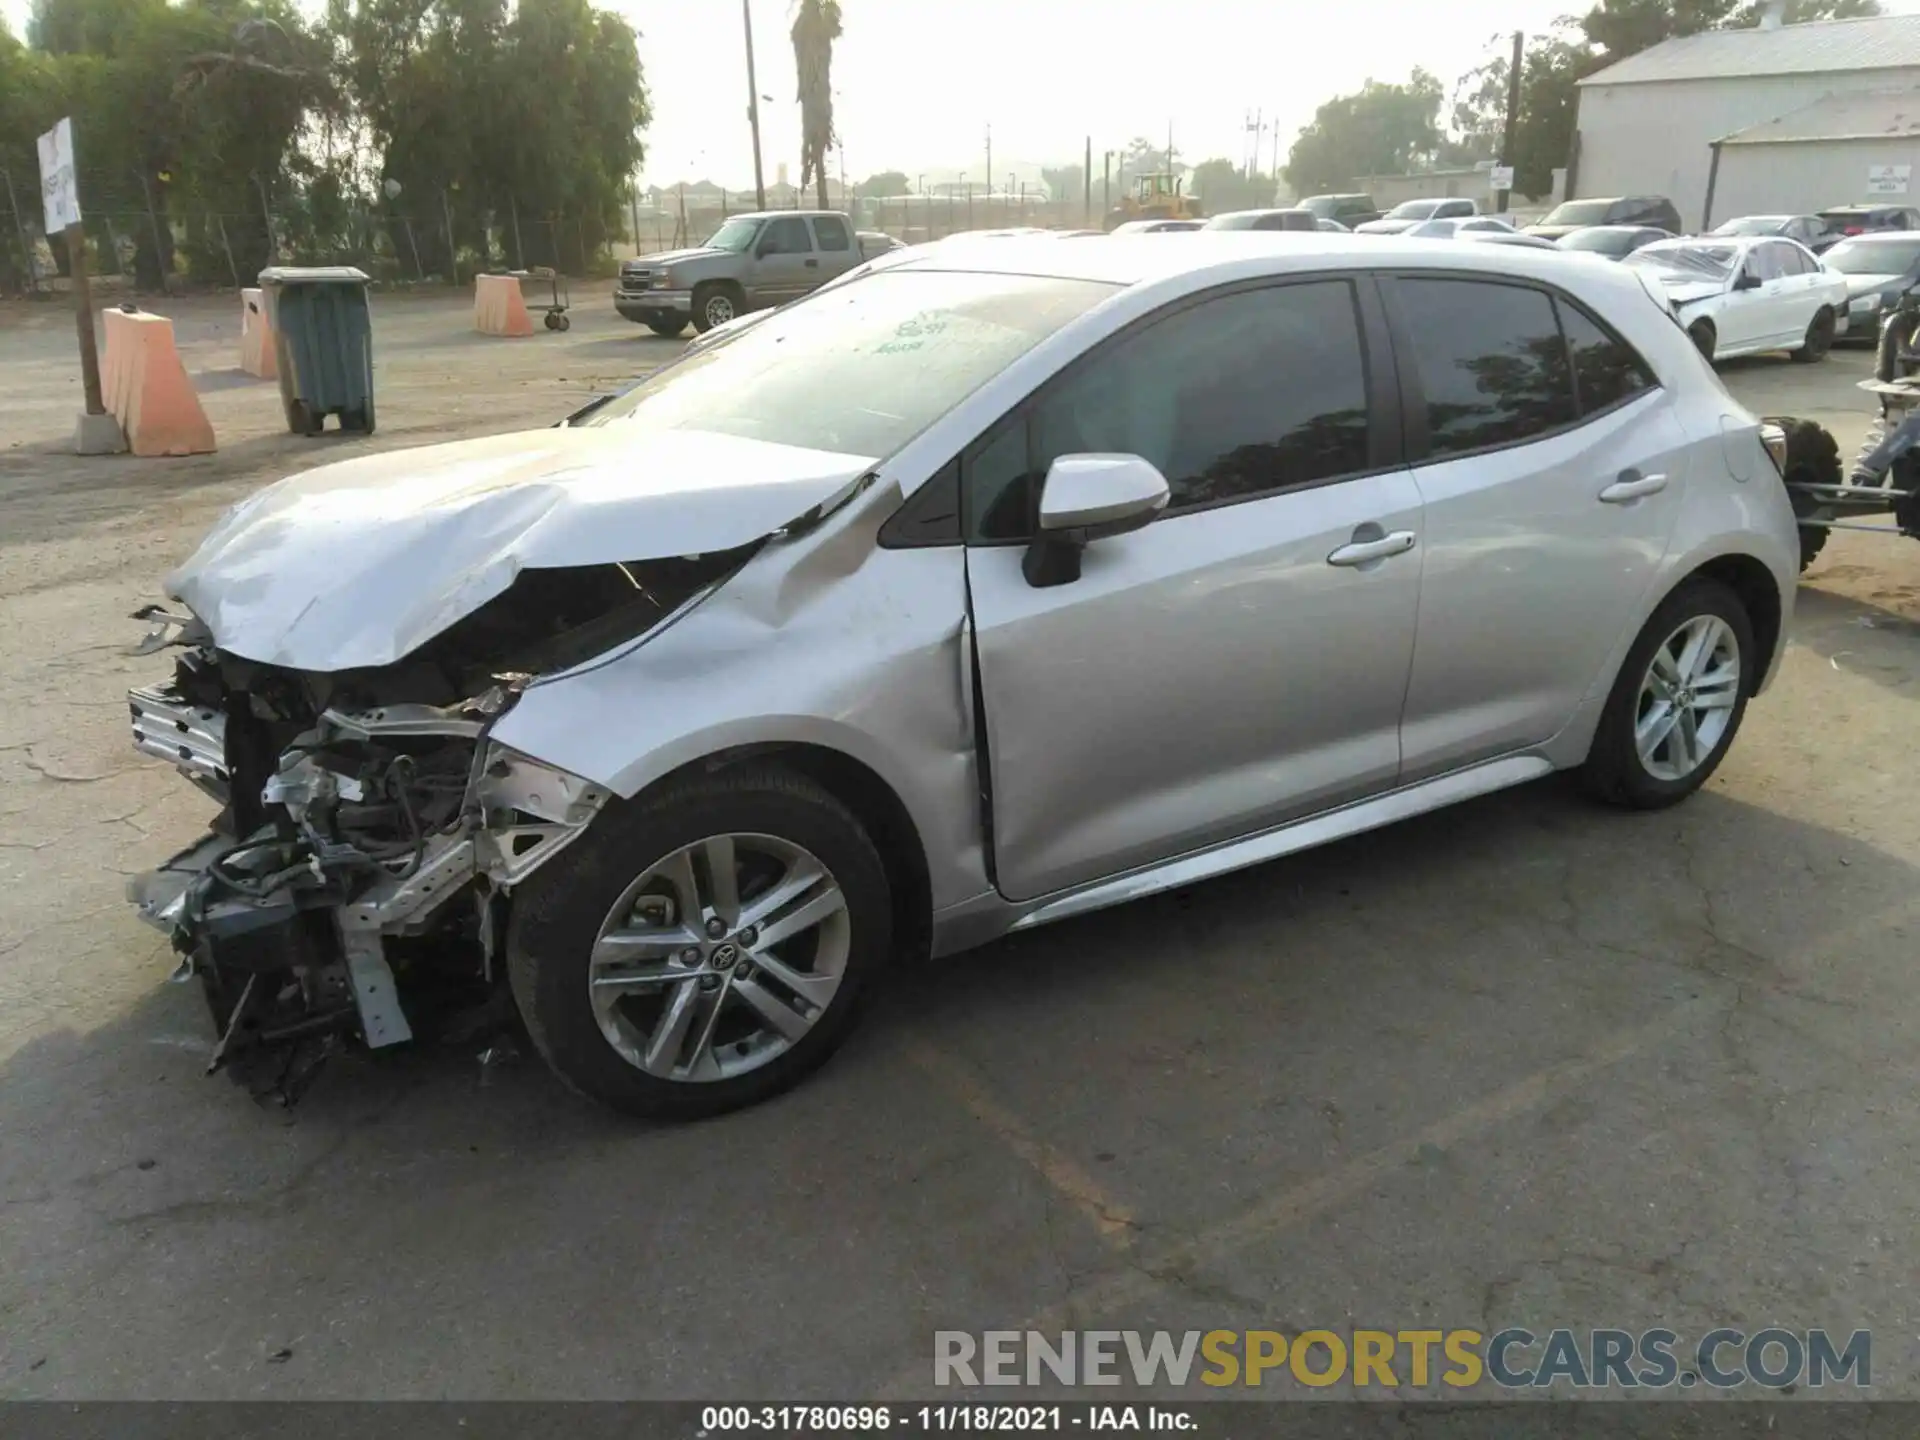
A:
[(995, 588)]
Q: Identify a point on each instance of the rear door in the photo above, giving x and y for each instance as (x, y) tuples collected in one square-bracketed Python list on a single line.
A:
[(1547, 505), (1790, 287), (834, 252), (1237, 663), (785, 265)]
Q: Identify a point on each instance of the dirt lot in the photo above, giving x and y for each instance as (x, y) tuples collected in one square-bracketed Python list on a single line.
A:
[(1523, 1062)]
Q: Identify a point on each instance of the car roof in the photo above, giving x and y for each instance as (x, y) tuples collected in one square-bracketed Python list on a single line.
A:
[(1633, 229), (1860, 209), (1220, 256)]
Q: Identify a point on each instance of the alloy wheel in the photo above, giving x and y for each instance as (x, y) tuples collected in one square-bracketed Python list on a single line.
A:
[(719, 958), (719, 310), (1687, 698)]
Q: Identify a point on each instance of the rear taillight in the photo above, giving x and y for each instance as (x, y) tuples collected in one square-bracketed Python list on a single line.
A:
[(1775, 440), (1853, 230)]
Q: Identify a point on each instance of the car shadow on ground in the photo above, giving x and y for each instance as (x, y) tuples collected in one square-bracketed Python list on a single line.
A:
[(1419, 903)]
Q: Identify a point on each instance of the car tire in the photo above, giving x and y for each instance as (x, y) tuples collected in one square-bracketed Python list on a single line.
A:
[(1897, 338), (668, 329), (1813, 457), (556, 961), (1819, 338), (714, 304), (1704, 338), (1617, 769)]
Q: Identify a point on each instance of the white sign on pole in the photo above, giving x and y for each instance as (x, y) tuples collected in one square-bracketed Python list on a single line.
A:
[(1888, 179), (1501, 178), (59, 186)]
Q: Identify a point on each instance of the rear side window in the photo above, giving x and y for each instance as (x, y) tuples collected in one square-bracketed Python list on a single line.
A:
[(831, 232), (1491, 362), (1606, 370)]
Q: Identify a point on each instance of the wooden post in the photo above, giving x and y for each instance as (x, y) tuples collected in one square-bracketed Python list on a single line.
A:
[(419, 270), (453, 261), (83, 317)]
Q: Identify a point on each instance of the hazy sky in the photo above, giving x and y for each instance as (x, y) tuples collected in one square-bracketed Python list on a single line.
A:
[(919, 81)]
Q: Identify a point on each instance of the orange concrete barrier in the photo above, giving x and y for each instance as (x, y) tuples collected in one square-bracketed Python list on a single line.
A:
[(146, 387), (256, 337), (498, 308)]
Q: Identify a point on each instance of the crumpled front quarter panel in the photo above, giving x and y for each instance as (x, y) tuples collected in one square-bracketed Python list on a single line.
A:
[(826, 640)]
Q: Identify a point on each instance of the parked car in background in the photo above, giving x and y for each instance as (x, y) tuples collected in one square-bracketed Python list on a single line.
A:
[(1506, 237), (1409, 213), (1347, 210), (1155, 227), (827, 649), (1878, 269), (1296, 218), (1615, 242), (1737, 296), (1846, 220), (1572, 215), (877, 242), (1451, 229), (1810, 230), (751, 262), (1331, 227)]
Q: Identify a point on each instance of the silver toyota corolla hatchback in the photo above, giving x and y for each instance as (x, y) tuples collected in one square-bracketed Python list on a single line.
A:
[(1004, 584)]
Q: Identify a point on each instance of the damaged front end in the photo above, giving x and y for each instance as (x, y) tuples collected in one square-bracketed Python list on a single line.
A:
[(371, 832)]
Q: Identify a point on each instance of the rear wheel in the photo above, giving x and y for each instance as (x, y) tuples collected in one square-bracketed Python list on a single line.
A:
[(1819, 338), (1704, 337), (1678, 700), (703, 949)]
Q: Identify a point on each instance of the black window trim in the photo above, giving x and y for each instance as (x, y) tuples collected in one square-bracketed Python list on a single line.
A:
[(1386, 444), (1413, 395)]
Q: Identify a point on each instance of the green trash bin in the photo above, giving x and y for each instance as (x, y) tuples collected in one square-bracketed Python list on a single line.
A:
[(323, 341)]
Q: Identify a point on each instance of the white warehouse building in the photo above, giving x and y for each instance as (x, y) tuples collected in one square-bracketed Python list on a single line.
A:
[(1774, 119)]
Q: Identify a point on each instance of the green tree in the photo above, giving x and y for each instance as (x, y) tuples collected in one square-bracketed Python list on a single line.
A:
[(1377, 130), (1552, 65), (1626, 27), (1221, 185), (886, 183), (816, 25), (1064, 182)]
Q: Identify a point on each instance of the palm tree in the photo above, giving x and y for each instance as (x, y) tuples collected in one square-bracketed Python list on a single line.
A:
[(815, 27)]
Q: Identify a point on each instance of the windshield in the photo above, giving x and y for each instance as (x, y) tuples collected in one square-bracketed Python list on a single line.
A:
[(862, 369), (1413, 209), (736, 235), (1579, 212), (1752, 225), (1874, 257), (1602, 242), (1687, 262)]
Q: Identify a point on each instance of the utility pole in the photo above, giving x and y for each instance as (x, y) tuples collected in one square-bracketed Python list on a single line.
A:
[(1169, 147), (1086, 179), (1106, 182), (1511, 138), (753, 108), (989, 162)]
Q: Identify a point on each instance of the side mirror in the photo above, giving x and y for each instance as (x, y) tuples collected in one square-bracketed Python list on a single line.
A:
[(1086, 498), (1746, 280)]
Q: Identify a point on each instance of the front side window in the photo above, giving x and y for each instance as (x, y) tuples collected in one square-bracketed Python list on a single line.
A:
[(786, 236), (859, 369), (1237, 396), (1491, 362)]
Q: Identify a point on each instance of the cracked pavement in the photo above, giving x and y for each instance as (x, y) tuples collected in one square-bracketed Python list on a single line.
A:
[(1521, 1062)]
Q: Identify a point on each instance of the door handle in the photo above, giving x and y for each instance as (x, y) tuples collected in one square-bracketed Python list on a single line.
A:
[(1632, 485), (1396, 542), (813, 264)]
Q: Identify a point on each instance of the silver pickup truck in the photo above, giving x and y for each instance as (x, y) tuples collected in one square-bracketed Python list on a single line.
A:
[(752, 262)]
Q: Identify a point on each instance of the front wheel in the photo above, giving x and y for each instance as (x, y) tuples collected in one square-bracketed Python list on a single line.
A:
[(714, 306), (703, 949), (1819, 338), (1678, 700), (1704, 338), (667, 329)]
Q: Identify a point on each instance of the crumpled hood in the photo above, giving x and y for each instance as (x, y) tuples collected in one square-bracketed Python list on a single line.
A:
[(358, 564), (1685, 292), (671, 257)]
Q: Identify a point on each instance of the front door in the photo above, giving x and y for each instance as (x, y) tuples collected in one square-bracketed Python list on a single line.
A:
[(1233, 665), (785, 266), (1552, 476)]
